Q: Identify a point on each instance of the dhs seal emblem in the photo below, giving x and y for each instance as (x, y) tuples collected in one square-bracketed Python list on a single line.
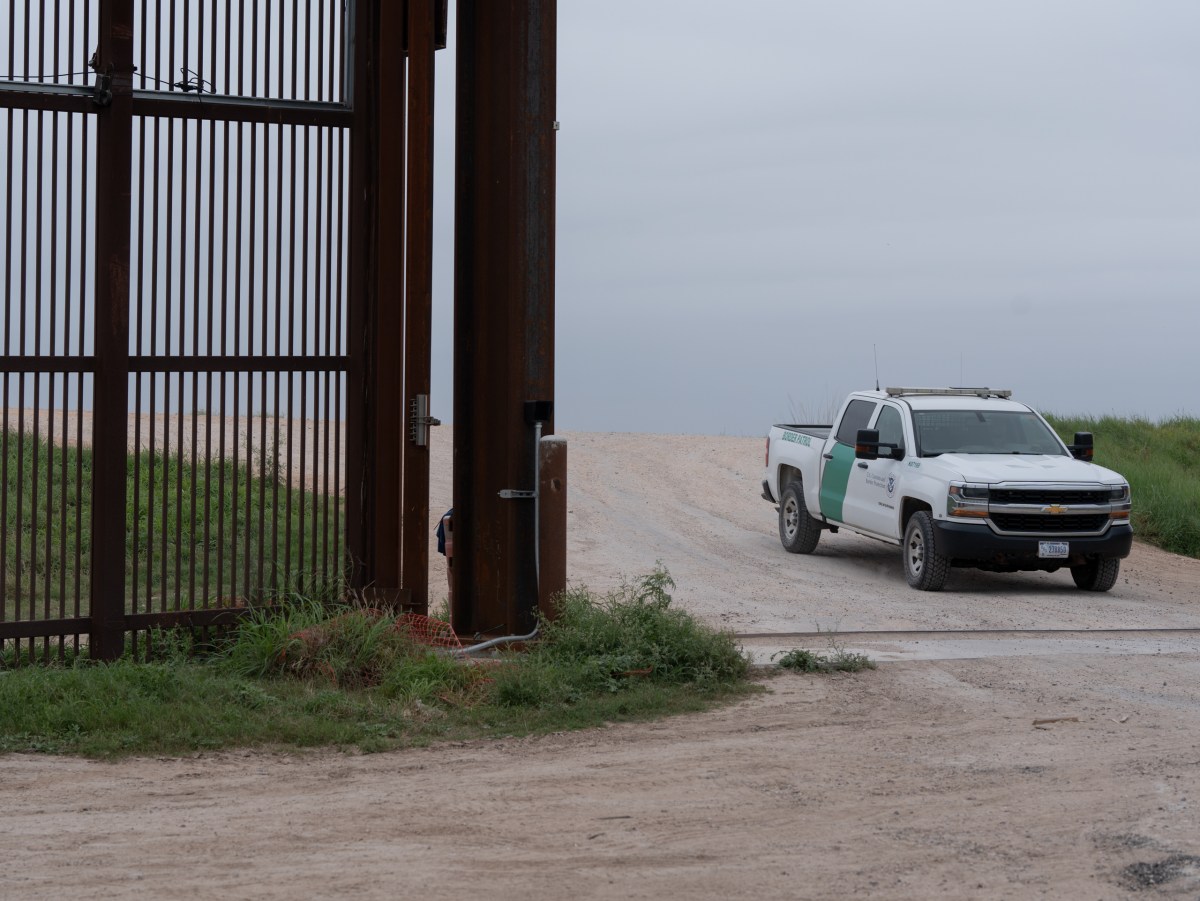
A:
[(891, 485)]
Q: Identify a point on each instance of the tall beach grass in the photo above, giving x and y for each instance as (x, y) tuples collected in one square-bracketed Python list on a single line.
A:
[(1161, 460)]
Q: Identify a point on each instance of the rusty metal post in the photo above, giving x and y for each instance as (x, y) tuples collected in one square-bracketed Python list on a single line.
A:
[(114, 155), (360, 371), (503, 301), (418, 305), (387, 427), (552, 528), (375, 426)]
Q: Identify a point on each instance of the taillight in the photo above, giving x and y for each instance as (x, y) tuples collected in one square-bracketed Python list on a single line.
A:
[(767, 453)]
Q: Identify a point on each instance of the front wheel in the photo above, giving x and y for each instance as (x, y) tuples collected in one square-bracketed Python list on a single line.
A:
[(798, 532), (924, 568), (1098, 574)]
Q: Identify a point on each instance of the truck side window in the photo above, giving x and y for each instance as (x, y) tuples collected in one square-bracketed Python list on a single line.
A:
[(890, 427), (857, 415)]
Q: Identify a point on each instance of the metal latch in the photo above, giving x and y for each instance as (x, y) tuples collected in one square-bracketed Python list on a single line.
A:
[(419, 420), (510, 494)]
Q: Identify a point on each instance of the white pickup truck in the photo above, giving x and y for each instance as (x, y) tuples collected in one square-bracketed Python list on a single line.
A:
[(956, 477)]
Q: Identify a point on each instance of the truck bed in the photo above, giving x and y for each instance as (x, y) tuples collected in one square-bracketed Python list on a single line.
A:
[(817, 431)]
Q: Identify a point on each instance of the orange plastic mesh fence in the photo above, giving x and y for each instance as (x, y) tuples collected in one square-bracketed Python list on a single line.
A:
[(427, 631)]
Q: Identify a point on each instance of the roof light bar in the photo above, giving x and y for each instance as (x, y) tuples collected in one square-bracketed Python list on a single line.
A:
[(952, 392)]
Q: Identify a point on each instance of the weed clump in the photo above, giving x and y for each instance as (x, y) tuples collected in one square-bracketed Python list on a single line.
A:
[(838, 661), (631, 636)]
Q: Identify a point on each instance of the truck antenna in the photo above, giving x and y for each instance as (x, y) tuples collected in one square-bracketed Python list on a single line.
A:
[(875, 350)]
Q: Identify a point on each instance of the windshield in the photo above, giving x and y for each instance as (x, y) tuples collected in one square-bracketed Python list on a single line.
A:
[(983, 432)]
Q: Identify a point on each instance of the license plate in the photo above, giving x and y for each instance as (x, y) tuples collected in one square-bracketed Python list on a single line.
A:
[(1053, 549)]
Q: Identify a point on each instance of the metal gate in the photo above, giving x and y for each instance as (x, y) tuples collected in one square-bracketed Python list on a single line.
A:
[(210, 210)]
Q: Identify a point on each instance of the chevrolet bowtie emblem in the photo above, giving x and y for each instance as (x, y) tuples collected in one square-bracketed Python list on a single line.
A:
[(1055, 509)]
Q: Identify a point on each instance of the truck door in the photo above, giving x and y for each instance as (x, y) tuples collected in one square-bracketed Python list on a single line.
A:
[(837, 461), (872, 495)]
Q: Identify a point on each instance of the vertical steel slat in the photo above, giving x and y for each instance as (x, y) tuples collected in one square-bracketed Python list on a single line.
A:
[(111, 386), (359, 477), (251, 234), (54, 302), (8, 245), (225, 133), (263, 332), (170, 73), (237, 379), (21, 340), (303, 350), (291, 343), (54, 337), (225, 136), (152, 417), (28, 32), (331, 424), (180, 451), (418, 299), (196, 147), (139, 379), (206, 588), (36, 434), (66, 385), (275, 404), (341, 474), (195, 405), (169, 311), (83, 280), (291, 384), (138, 251), (320, 417), (7, 350)]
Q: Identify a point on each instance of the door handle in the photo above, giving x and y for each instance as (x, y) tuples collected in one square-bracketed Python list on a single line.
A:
[(827, 456), (862, 465)]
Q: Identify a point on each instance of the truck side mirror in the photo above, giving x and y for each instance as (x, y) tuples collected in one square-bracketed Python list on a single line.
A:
[(1083, 447), (866, 444)]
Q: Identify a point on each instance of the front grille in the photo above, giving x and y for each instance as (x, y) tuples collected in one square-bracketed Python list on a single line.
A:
[(1047, 496), (1052, 525)]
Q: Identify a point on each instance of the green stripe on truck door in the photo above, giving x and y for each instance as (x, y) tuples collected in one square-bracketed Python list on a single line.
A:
[(835, 476)]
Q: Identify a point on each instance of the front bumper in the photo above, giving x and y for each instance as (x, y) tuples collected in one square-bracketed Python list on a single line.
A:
[(975, 544)]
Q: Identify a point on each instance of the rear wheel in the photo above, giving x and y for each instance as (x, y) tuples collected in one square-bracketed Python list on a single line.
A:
[(924, 568), (1098, 574), (798, 532)]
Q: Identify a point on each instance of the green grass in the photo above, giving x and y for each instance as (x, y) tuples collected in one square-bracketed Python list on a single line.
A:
[(214, 518), (1161, 460), (348, 677)]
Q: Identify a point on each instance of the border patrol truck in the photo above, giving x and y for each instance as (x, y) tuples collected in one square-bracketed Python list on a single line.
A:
[(957, 477)]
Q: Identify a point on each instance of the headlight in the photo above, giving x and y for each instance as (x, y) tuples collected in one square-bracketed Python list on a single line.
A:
[(967, 500), (1119, 501)]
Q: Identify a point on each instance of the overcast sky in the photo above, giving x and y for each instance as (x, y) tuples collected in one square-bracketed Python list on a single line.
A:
[(751, 195)]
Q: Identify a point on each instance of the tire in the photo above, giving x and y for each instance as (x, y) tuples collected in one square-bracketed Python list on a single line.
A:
[(1098, 574), (924, 568), (798, 532)]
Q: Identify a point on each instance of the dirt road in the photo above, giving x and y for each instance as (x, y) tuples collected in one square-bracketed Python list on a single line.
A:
[(1026, 770)]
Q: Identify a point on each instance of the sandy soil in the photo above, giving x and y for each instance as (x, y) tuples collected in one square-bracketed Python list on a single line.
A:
[(925, 778)]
